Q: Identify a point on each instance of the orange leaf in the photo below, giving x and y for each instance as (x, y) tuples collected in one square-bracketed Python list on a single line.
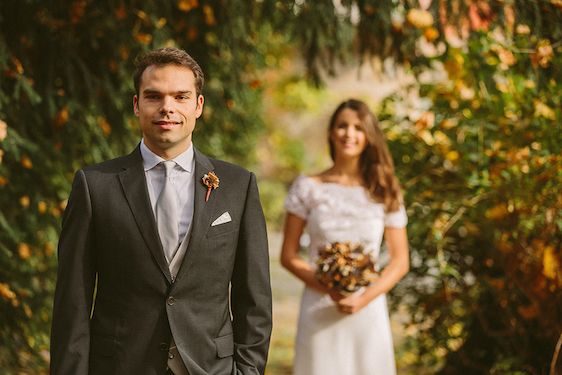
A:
[(121, 12), (192, 33), (104, 125), (26, 162), (209, 15), (143, 38), (431, 34), (498, 284), (56, 212), (18, 65), (160, 23), (6, 292), (62, 117), (3, 130), (27, 311), (255, 84), (77, 10), (42, 207), (497, 212), (24, 201), (528, 312), (24, 251), (550, 264), (187, 5), (49, 249)]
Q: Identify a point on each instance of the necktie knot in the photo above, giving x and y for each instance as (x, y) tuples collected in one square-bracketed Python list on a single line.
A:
[(168, 167)]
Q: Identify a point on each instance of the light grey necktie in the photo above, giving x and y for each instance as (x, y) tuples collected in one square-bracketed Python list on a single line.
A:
[(167, 216)]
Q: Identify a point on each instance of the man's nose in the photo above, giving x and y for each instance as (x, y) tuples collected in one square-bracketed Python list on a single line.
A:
[(167, 105)]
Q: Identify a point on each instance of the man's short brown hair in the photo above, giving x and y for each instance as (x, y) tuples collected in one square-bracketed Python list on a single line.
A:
[(168, 56)]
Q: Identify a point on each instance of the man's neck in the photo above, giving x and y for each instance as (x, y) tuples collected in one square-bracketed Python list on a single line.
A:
[(169, 153)]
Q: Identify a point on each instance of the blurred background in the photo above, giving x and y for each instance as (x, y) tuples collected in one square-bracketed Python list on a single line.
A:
[(469, 96)]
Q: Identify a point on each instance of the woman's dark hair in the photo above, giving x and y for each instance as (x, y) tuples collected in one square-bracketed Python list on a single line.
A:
[(376, 166)]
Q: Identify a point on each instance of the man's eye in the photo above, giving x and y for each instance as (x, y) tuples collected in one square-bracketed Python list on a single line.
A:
[(182, 97), (151, 97)]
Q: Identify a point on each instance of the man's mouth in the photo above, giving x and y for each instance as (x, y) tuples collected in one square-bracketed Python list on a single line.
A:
[(166, 124)]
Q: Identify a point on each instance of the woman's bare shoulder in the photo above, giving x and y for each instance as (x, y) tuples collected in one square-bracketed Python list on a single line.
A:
[(324, 176)]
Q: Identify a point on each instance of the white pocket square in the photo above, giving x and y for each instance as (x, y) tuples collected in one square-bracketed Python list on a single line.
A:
[(224, 218)]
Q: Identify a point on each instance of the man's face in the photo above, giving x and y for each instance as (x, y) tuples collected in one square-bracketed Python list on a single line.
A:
[(167, 107)]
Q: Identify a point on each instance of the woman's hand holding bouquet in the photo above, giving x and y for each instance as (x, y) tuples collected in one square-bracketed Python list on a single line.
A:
[(345, 269)]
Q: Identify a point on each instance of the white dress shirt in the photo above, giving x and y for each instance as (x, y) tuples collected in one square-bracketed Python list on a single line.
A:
[(182, 179)]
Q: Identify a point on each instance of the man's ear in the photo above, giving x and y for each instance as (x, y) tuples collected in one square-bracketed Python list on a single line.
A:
[(136, 105), (200, 102)]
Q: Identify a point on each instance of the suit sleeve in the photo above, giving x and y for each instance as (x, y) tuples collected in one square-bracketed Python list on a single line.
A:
[(251, 289), (70, 331)]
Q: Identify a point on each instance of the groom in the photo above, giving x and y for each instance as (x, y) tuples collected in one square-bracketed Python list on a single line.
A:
[(163, 258)]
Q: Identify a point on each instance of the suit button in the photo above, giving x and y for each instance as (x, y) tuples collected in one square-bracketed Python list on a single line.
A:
[(163, 347), (170, 301)]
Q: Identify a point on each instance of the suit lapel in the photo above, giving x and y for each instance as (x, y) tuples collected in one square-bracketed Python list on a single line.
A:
[(202, 210), (133, 181)]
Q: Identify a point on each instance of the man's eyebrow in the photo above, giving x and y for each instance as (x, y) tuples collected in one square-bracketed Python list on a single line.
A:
[(152, 91)]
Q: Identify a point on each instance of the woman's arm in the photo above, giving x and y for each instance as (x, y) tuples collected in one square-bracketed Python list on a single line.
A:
[(290, 258), (399, 265)]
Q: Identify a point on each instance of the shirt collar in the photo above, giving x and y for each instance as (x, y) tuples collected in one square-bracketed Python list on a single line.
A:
[(150, 159)]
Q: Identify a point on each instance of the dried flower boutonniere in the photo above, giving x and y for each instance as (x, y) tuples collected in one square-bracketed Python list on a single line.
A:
[(211, 181)]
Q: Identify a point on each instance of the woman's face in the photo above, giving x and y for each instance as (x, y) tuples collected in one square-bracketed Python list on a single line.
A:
[(347, 135)]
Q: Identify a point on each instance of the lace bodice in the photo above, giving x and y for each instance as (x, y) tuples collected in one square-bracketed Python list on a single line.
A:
[(336, 212)]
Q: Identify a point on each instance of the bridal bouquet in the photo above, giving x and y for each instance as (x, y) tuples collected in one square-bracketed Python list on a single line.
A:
[(345, 266)]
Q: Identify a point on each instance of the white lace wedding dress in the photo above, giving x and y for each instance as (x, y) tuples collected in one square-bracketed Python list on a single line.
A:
[(329, 342)]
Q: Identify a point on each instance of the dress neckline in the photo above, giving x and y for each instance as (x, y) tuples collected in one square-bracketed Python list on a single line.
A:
[(319, 182)]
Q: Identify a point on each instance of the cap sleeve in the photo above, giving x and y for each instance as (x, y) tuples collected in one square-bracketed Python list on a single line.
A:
[(396, 219), (297, 201)]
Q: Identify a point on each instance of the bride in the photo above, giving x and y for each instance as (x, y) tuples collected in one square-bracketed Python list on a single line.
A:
[(356, 200)]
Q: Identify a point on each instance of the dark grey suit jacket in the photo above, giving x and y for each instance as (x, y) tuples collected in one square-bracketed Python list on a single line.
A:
[(219, 307)]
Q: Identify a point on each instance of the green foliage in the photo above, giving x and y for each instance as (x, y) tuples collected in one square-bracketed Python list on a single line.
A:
[(289, 156), (296, 95), (321, 31), (482, 169)]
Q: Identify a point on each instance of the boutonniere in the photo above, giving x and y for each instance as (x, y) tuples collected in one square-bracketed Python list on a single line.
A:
[(211, 181)]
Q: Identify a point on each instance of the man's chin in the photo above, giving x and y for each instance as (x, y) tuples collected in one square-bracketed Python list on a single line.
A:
[(167, 144)]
